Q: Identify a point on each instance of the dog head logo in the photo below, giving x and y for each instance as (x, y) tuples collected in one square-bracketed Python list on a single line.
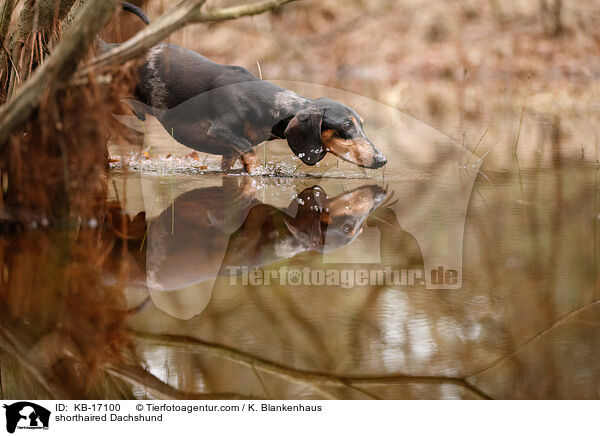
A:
[(26, 415)]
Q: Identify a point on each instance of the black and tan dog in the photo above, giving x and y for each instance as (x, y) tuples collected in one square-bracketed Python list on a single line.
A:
[(225, 110)]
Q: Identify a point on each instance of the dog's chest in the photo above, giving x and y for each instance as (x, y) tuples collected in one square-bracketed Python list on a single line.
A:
[(255, 134)]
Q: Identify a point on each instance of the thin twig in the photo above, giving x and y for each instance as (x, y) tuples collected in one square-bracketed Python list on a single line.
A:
[(518, 136), (476, 146), (139, 376), (568, 316), (259, 70)]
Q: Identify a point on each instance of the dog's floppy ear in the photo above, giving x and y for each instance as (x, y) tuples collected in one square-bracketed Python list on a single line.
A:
[(303, 217), (303, 135)]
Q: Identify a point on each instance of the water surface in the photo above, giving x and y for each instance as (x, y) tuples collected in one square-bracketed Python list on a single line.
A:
[(142, 303)]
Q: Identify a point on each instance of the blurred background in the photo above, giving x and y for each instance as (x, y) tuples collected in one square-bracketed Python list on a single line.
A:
[(488, 113), (460, 66)]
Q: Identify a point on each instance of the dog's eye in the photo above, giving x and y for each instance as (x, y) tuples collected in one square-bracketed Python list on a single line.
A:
[(346, 228), (347, 125)]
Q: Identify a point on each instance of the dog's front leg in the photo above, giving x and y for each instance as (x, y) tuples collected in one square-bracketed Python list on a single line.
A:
[(249, 161)]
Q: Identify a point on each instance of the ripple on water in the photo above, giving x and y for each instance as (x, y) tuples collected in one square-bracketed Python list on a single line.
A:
[(165, 166)]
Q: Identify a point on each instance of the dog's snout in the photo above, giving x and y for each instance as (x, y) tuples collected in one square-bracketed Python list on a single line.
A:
[(379, 159)]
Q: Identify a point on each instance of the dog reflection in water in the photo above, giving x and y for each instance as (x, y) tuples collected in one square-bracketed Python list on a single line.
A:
[(206, 230)]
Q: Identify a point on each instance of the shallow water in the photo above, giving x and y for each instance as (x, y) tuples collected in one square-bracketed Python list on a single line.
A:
[(529, 259), (426, 280)]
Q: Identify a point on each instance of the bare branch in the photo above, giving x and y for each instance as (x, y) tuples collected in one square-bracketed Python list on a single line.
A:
[(59, 66), (309, 378), (235, 12), (169, 22), (186, 12), (141, 377)]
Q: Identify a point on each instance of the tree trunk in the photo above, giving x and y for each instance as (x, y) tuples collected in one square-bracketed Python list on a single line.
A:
[(55, 162), (34, 36)]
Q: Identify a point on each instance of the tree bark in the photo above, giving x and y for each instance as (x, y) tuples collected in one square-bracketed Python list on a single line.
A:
[(36, 27), (7, 11), (58, 68)]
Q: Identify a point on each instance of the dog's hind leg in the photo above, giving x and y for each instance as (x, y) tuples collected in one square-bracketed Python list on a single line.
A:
[(249, 161)]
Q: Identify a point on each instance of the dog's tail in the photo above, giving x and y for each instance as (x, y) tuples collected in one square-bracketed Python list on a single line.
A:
[(136, 11), (106, 46)]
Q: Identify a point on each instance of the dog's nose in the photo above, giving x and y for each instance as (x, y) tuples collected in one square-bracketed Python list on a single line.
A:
[(378, 161)]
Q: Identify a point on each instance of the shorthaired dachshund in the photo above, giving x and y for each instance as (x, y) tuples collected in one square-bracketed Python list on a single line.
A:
[(225, 110)]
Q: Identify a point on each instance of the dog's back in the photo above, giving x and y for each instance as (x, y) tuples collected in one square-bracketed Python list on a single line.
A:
[(172, 75)]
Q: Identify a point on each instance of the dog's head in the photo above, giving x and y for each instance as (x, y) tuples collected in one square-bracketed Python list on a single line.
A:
[(328, 126), (323, 224), (344, 214)]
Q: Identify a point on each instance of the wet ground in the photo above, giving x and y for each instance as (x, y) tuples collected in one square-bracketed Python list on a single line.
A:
[(447, 275)]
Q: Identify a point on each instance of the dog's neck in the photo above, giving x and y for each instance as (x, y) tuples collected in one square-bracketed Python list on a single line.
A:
[(287, 105)]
